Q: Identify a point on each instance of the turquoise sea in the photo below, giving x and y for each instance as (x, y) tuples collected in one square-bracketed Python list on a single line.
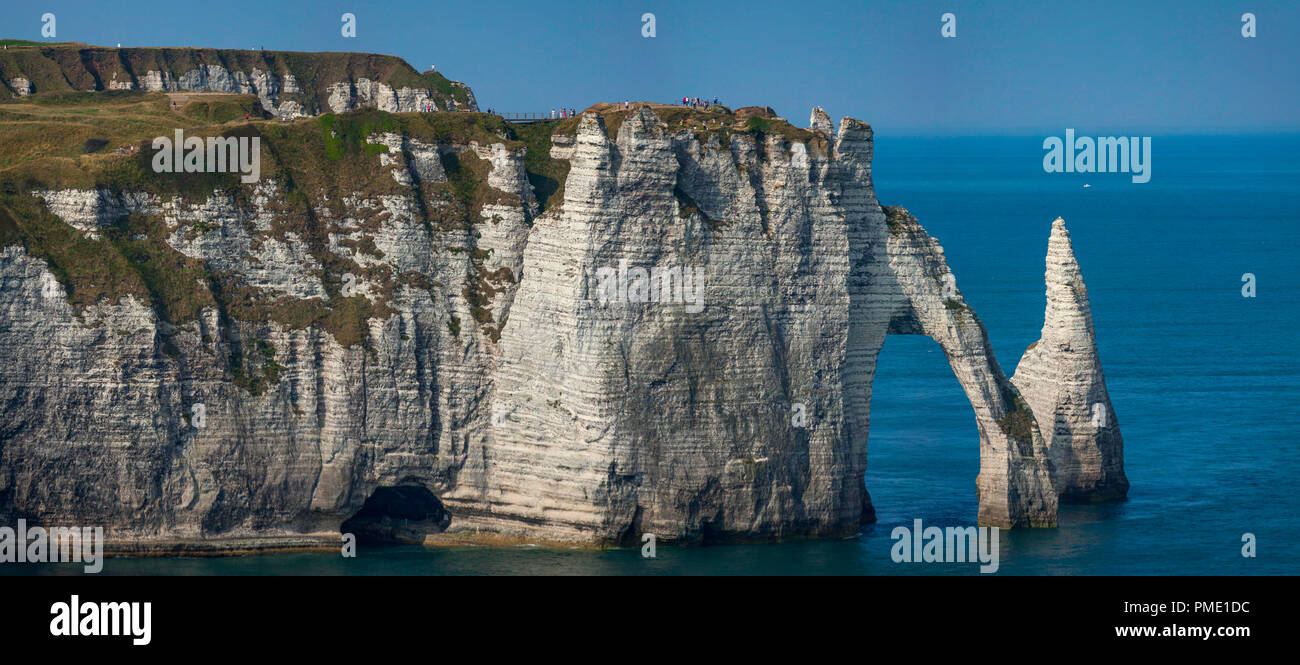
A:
[(1205, 383)]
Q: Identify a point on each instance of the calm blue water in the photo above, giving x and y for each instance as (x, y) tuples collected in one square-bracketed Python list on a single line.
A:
[(1205, 383)]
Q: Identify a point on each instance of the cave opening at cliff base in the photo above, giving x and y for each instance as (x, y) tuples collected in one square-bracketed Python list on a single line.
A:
[(401, 514)]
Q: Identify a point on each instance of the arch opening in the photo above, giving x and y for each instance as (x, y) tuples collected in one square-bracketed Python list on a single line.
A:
[(923, 450)]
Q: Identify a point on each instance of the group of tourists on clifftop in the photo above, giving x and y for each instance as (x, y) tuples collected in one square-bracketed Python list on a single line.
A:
[(699, 104)]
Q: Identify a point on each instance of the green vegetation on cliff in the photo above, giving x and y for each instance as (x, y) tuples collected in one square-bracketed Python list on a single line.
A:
[(77, 140), (546, 175), (70, 140), (70, 66)]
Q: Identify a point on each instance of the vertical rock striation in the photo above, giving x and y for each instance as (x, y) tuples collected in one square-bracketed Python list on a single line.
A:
[(492, 370), (1060, 377)]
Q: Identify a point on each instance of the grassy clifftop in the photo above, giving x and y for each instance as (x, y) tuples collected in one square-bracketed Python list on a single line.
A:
[(102, 140), (76, 139), (65, 67), (83, 140)]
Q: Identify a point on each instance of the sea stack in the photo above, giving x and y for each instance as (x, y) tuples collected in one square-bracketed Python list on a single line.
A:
[(1060, 377)]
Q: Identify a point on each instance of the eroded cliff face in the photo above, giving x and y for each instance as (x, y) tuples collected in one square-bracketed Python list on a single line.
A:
[(287, 84), (498, 367)]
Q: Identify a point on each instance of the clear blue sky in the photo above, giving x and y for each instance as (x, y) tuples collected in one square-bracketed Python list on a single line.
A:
[(1039, 65)]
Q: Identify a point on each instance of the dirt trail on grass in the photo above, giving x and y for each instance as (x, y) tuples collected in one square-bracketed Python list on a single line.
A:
[(183, 98)]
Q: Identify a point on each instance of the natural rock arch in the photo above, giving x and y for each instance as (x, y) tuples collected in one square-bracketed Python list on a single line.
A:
[(904, 287), (571, 421)]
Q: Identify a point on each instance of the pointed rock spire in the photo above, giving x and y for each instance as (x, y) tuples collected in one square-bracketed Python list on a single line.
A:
[(1060, 378), (820, 122)]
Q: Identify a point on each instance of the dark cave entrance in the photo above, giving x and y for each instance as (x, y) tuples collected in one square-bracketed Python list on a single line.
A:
[(403, 514)]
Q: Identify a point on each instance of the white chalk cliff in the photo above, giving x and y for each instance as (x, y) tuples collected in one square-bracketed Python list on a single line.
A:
[(286, 84), (496, 381), (1060, 377)]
